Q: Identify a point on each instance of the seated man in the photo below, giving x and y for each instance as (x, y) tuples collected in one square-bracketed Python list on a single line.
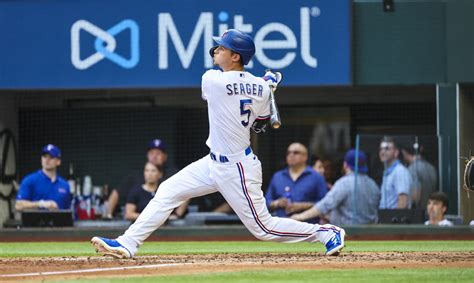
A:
[(45, 189), (437, 206), (346, 203), (297, 187)]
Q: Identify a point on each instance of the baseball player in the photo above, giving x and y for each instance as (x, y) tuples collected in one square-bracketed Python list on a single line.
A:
[(237, 102)]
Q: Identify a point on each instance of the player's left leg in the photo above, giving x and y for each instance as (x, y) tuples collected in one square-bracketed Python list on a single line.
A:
[(240, 184)]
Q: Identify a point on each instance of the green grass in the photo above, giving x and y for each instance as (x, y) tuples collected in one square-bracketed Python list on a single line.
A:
[(327, 276), (363, 275), (156, 248)]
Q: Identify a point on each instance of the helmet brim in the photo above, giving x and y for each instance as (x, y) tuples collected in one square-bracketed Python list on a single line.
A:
[(220, 42)]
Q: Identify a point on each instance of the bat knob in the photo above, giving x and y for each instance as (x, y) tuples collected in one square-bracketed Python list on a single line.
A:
[(276, 125)]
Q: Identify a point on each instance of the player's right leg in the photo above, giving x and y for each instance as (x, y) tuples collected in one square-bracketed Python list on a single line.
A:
[(192, 181)]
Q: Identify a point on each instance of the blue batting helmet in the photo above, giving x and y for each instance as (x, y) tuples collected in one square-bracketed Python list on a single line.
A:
[(238, 42)]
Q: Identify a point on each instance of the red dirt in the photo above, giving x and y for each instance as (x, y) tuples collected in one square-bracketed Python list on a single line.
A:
[(192, 264)]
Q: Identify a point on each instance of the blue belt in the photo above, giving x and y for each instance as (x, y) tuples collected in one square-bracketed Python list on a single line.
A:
[(224, 159)]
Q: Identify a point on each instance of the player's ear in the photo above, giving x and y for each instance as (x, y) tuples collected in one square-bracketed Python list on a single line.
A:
[(236, 57)]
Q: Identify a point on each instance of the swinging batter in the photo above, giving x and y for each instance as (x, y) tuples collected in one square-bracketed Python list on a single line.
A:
[(237, 102)]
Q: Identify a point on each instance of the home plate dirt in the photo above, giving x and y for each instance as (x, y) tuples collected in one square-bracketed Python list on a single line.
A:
[(35, 268)]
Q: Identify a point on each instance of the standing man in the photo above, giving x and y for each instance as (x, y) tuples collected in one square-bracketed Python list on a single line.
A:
[(347, 203), (236, 99), (424, 175), (297, 187), (45, 189), (396, 182)]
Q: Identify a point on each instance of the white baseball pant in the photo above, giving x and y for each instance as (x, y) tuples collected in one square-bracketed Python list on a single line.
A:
[(239, 181)]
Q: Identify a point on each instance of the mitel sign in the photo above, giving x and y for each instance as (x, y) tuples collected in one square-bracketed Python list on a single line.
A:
[(120, 44)]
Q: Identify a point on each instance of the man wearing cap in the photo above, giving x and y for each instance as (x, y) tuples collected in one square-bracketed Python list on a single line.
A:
[(156, 154), (45, 189), (346, 203)]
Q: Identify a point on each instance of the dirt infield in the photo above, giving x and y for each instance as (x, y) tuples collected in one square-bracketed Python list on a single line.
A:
[(94, 267)]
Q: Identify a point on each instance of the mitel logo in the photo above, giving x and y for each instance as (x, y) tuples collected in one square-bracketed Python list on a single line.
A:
[(105, 44), (204, 27)]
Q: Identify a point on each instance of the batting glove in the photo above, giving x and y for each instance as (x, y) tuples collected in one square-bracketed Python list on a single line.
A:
[(272, 78)]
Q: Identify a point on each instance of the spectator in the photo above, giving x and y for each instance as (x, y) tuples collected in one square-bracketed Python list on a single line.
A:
[(156, 154), (396, 182), (424, 175), (346, 203), (45, 189), (324, 168), (297, 187), (437, 206), (140, 196), (318, 165)]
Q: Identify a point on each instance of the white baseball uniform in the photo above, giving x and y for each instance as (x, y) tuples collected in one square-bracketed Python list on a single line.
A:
[(235, 100)]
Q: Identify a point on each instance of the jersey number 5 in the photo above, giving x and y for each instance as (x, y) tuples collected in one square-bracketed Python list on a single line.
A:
[(245, 110)]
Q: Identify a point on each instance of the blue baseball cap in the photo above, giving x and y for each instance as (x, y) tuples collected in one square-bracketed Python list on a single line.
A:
[(350, 159), (52, 150), (157, 143)]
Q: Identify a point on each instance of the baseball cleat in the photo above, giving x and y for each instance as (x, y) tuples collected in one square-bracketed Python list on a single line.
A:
[(335, 244), (109, 247)]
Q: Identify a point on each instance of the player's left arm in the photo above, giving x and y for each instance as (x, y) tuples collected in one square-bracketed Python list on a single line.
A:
[(261, 123), (272, 79)]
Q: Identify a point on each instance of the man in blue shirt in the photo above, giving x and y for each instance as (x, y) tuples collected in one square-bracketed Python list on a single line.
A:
[(45, 189), (396, 182), (348, 203), (297, 187)]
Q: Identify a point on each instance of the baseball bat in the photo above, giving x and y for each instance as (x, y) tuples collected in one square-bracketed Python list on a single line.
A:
[(275, 120)]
